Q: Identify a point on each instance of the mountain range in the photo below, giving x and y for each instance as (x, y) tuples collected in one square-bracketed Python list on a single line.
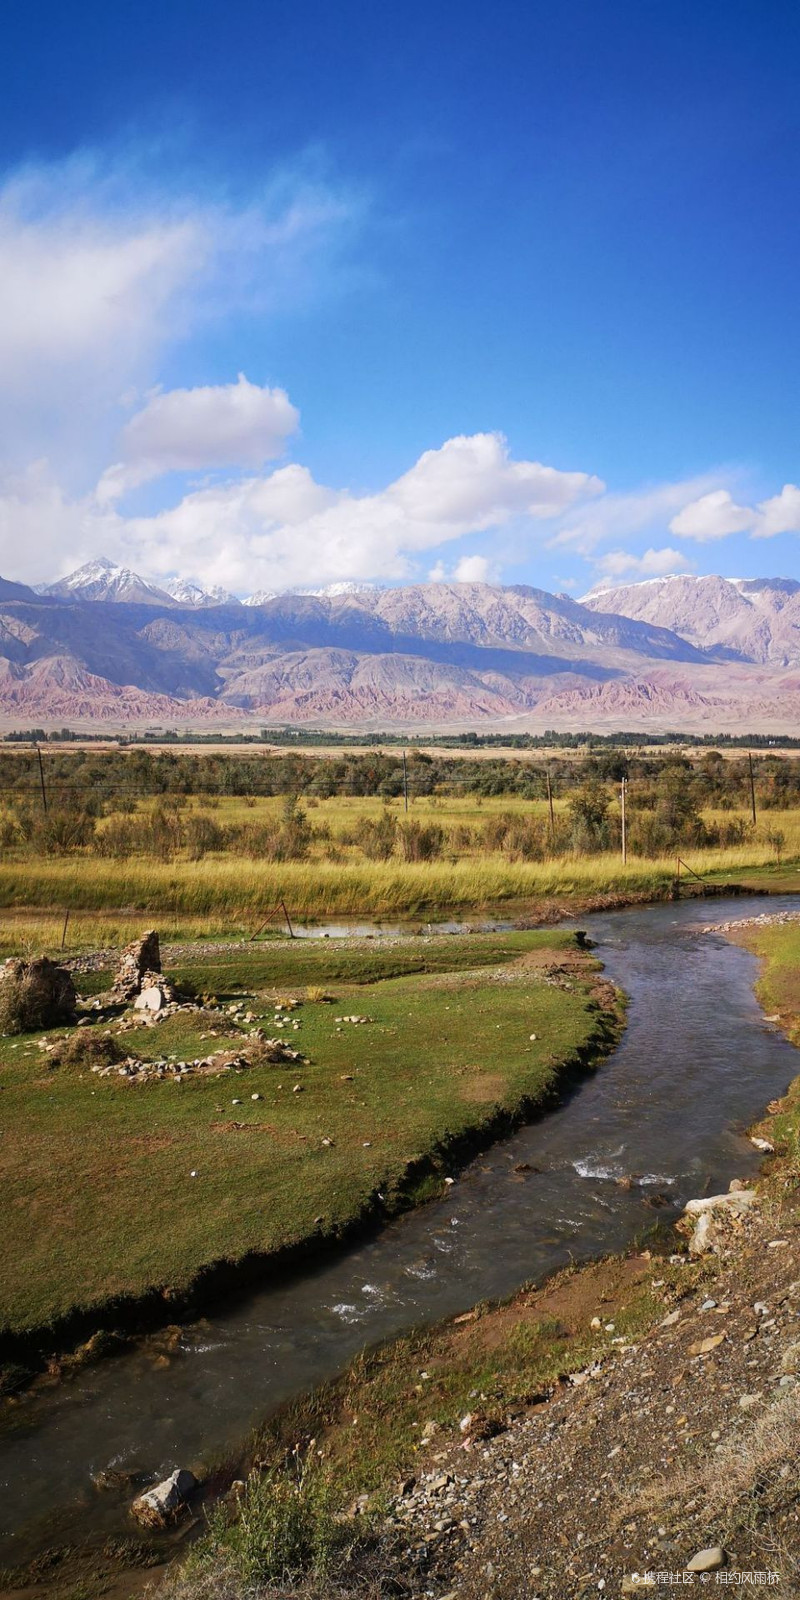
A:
[(106, 646)]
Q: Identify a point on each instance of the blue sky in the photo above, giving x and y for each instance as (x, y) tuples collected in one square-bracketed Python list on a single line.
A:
[(513, 290)]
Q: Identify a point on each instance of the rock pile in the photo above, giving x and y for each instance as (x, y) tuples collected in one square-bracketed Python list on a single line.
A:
[(713, 1222), (268, 1051), (677, 1453), (155, 993), (764, 920)]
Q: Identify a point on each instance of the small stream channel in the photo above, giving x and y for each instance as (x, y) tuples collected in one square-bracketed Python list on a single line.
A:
[(696, 1065)]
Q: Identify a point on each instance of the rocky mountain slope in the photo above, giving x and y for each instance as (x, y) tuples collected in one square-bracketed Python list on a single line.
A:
[(750, 619), (106, 645)]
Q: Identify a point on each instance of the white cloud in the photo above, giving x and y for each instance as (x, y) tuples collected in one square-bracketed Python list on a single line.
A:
[(713, 516), (102, 270), (716, 515), (653, 564), (234, 424), (470, 569), (472, 481), (781, 514), (78, 286), (473, 569), (43, 532), (271, 532), (618, 516), (284, 529)]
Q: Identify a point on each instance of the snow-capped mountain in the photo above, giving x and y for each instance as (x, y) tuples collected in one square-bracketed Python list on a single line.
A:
[(102, 579), (331, 591), (186, 593), (435, 654)]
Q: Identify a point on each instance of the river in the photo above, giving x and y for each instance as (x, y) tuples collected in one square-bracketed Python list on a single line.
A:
[(696, 1065)]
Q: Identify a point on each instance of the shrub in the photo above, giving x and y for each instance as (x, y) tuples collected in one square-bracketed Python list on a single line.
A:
[(9, 831), (202, 835), (283, 1529), (590, 828), (286, 840), (377, 839), (60, 829), (86, 1048), (35, 994), (420, 841), (776, 840)]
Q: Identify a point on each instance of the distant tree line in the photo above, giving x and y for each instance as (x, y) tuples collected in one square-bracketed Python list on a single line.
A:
[(121, 804)]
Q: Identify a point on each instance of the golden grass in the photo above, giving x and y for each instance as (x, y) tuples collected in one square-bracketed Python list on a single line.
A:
[(239, 888)]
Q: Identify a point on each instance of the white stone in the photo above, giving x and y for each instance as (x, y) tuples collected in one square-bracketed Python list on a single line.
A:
[(150, 999), (161, 1504), (707, 1560)]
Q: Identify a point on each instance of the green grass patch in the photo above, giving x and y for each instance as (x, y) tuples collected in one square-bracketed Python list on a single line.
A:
[(778, 988), (115, 1189), (304, 962)]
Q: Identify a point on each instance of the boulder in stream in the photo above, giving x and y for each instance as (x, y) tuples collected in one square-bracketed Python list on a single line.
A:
[(163, 1504)]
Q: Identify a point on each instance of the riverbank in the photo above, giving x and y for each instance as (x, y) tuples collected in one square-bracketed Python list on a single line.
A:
[(620, 1420), (137, 1203)]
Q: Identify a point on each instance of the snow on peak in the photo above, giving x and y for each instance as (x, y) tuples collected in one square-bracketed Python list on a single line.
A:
[(187, 593), (633, 583), (101, 579)]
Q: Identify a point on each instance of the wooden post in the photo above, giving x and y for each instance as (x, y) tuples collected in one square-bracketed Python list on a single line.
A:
[(623, 787), (405, 781), (550, 806), (41, 780), (752, 786), (64, 929), (288, 923)]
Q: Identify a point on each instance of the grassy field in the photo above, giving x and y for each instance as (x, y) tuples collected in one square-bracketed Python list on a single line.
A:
[(228, 894), (114, 1189)]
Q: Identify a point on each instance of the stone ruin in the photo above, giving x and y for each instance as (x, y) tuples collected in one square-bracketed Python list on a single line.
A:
[(139, 960), (35, 994)]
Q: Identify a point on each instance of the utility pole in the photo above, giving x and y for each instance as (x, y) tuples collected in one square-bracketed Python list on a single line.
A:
[(622, 794), (550, 806), (405, 781), (41, 780), (752, 786)]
